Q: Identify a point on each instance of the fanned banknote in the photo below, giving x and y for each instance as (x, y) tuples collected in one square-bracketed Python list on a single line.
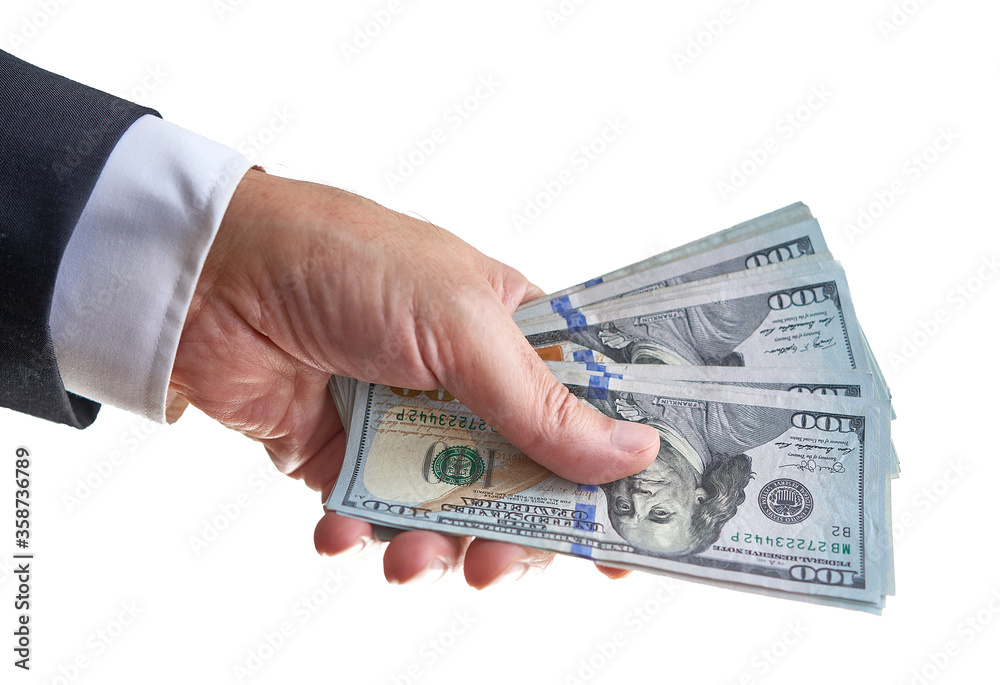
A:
[(783, 491), (823, 382), (747, 230), (776, 245), (743, 350)]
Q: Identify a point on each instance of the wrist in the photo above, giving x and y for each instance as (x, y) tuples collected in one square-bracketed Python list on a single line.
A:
[(232, 236)]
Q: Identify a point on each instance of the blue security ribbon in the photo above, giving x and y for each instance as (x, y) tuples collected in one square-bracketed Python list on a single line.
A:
[(561, 304), (598, 388), (574, 320), (591, 511)]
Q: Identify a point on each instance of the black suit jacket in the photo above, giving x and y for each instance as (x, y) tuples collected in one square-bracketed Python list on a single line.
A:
[(55, 137)]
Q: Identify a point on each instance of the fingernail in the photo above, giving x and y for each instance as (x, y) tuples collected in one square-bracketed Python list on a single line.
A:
[(344, 553), (632, 437), (615, 573), (433, 572), (515, 571)]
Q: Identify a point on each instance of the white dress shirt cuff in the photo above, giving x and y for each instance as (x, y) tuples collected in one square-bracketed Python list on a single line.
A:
[(130, 268)]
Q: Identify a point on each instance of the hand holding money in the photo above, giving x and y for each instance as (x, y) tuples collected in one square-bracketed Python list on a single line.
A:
[(304, 281), (743, 352)]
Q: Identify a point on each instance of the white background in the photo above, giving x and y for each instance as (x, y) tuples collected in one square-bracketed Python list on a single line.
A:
[(223, 74)]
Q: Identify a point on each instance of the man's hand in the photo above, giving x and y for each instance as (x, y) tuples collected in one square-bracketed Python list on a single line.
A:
[(304, 281)]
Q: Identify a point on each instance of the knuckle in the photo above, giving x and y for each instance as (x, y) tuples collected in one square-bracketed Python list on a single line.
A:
[(557, 415)]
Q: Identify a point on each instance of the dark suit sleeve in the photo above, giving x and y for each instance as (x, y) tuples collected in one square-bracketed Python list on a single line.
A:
[(55, 137)]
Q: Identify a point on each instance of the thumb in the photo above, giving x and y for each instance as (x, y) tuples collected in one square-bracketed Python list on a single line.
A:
[(497, 375)]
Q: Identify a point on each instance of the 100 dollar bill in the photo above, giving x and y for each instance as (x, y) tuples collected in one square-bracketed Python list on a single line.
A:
[(727, 500), (776, 245), (741, 232)]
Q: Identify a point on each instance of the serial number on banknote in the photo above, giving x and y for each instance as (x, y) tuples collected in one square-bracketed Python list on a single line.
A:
[(820, 546)]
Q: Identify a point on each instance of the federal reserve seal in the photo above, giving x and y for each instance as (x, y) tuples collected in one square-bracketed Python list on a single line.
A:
[(458, 465), (786, 501)]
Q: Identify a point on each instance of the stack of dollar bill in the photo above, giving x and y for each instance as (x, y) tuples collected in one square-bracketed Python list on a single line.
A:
[(743, 351)]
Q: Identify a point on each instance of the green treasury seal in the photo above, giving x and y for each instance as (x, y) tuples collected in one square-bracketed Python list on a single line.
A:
[(459, 465)]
